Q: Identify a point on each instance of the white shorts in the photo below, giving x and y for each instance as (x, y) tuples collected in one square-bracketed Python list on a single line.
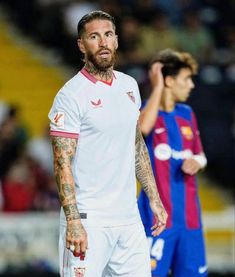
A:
[(112, 251)]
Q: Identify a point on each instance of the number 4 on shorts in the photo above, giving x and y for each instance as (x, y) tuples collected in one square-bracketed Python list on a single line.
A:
[(156, 248)]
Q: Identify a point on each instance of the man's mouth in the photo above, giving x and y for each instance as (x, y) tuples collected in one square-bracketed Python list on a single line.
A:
[(104, 53)]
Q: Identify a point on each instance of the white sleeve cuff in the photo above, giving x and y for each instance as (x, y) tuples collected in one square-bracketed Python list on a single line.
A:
[(201, 159)]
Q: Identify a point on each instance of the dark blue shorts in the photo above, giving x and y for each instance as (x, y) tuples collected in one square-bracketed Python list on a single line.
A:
[(179, 251)]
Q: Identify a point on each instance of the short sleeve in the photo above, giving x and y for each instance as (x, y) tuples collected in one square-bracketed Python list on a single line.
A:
[(197, 141), (137, 96), (64, 116)]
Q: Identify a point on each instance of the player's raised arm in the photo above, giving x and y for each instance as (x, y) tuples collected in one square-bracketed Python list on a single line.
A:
[(64, 151), (145, 176), (148, 114)]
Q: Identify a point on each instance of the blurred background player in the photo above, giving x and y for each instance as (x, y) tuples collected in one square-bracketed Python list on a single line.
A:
[(176, 153)]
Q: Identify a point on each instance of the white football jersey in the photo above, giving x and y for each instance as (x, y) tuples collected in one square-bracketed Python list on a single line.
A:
[(103, 117)]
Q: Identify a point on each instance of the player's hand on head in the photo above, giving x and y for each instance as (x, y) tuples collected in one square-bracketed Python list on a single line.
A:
[(161, 218), (76, 238), (155, 75), (190, 166)]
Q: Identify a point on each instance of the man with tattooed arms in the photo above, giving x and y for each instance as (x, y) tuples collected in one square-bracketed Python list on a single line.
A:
[(98, 153)]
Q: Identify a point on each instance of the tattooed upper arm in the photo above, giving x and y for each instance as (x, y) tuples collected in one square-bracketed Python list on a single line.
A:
[(63, 149)]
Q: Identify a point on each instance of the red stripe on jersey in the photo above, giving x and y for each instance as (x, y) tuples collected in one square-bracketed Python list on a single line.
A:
[(64, 134), (189, 140), (107, 83), (191, 203), (197, 140)]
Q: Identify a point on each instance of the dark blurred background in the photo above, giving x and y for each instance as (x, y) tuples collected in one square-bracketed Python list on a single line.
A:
[(205, 28)]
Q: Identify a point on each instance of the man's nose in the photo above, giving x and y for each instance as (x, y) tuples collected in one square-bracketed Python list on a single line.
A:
[(103, 42), (192, 84)]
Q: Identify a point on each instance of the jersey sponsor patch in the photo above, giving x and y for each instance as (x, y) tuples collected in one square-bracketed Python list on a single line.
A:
[(164, 152), (58, 120), (187, 132)]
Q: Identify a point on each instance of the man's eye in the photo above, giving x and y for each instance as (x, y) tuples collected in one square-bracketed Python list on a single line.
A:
[(93, 37), (109, 34)]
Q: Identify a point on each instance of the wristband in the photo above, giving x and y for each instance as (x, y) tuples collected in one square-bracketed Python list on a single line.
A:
[(201, 159)]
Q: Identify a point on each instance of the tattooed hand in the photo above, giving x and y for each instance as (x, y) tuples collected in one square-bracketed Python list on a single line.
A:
[(77, 236), (161, 217)]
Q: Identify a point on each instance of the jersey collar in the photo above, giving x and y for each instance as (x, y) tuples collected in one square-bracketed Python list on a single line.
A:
[(93, 79)]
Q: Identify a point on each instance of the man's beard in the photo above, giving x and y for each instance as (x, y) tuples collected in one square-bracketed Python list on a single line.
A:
[(99, 63)]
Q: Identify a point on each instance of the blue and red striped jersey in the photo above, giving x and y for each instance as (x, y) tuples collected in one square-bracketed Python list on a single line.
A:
[(174, 138)]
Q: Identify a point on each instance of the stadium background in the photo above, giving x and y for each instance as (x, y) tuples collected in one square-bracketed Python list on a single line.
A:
[(38, 54)]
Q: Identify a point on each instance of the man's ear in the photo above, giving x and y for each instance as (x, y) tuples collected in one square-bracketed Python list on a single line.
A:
[(116, 43), (169, 81), (81, 45)]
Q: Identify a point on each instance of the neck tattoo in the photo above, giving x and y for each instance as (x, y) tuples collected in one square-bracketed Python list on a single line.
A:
[(102, 75)]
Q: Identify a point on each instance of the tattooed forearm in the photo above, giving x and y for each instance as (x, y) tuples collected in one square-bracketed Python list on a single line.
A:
[(64, 151), (71, 212), (65, 191), (143, 168)]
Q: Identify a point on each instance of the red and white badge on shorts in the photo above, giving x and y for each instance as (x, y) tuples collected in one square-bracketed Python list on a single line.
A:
[(79, 271), (58, 120)]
